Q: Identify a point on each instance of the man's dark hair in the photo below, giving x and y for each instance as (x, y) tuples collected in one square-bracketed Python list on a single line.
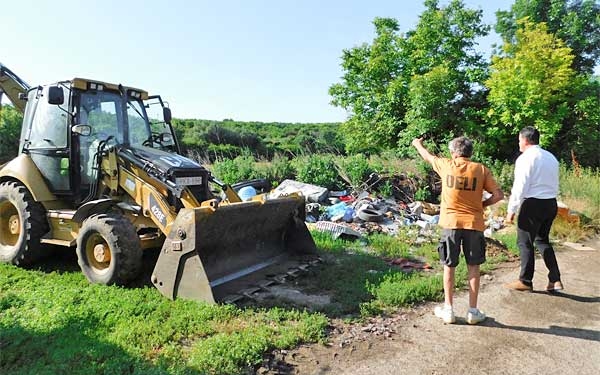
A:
[(461, 146), (531, 134)]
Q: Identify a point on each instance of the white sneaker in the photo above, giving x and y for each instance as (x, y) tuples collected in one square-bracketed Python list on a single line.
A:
[(475, 316), (445, 313)]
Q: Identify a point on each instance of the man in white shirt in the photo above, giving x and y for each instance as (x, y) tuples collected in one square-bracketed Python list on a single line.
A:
[(534, 189)]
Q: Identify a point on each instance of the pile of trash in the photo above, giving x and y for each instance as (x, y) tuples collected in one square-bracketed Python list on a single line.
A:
[(360, 212), (356, 213)]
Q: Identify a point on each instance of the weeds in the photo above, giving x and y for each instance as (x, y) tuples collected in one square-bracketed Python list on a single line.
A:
[(58, 323), (508, 239), (580, 190)]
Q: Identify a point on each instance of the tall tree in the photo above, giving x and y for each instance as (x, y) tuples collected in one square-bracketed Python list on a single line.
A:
[(425, 82), (446, 71), (579, 137), (373, 89), (577, 22), (530, 85)]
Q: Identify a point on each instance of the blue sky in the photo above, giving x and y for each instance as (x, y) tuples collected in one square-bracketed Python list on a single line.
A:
[(254, 60)]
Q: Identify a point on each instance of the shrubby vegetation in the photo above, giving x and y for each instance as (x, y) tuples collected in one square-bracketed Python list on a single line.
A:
[(215, 140), (10, 129)]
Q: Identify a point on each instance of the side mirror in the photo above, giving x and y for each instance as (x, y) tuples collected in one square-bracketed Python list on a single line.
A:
[(84, 130), (167, 115), (56, 95)]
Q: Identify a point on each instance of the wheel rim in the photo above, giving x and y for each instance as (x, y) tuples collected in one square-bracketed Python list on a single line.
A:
[(10, 224), (98, 253)]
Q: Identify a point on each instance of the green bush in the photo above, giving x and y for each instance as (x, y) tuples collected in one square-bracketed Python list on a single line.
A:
[(355, 169), (279, 169), (422, 194), (239, 169), (222, 151), (386, 189), (317, 170), (580, 190), (10, 128)]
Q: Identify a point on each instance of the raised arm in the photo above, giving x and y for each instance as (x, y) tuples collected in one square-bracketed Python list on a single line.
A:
[(426, 155)]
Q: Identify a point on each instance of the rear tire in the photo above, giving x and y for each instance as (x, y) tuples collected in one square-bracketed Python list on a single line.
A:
[(108, 250), (22, 225)]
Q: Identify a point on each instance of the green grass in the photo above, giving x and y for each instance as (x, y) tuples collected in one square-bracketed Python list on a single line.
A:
[(508, 239), (57, 323), (362, 283)]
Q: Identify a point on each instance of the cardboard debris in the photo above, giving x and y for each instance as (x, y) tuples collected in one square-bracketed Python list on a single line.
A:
[(565, 213)]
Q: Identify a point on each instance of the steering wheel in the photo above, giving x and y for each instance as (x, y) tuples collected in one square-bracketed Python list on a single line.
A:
[(157, 138), (154, 138)]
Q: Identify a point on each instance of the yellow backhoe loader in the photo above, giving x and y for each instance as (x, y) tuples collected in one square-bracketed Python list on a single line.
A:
[(100, 169)]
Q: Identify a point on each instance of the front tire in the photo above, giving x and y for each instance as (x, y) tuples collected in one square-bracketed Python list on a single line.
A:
[(108, 250), (22, 225)]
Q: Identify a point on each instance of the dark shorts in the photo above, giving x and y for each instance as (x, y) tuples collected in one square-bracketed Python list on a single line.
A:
[(473, 246)]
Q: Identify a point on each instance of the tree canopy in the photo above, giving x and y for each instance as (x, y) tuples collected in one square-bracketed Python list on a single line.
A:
[(426, 81), (431, 81), (530, 85), (576, 22)]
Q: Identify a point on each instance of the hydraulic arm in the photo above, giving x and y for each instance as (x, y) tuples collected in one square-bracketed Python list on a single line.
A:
[(14, 87)]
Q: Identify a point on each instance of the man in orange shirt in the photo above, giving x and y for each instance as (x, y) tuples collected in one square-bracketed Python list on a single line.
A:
[(461, 217)]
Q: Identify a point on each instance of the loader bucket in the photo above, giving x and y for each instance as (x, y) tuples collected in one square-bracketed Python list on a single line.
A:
[(210, 248)]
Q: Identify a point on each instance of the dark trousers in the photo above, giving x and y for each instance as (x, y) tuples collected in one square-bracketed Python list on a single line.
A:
[(533, 227)]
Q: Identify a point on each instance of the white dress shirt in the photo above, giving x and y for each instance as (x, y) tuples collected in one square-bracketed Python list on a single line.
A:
[(536, 176)]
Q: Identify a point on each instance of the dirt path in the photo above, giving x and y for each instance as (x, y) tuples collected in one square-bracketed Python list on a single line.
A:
[(525, 333)]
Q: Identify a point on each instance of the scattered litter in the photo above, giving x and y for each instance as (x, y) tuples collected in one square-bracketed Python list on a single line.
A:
[(338, 209), (407, 264), (312, 193), (430, 208), (338, 194), (492, 225), (432, 219), (423, 224), (247, 192), (362, 211), (367, 214), (335, 229), (416, 208), (565, 213)]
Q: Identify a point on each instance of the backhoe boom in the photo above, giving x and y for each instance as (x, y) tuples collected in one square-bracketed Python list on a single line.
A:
[(14, 87)]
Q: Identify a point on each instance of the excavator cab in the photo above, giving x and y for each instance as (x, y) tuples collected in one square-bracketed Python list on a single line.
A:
[(45, 138)]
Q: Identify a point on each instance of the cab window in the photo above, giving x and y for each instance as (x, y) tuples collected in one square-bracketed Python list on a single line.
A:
[(49, 125)]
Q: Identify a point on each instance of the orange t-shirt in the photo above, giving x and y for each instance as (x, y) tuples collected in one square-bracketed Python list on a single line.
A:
[(463, 183)]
